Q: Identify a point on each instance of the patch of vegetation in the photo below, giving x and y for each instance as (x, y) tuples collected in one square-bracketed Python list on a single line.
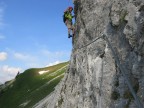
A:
[(136, 87), (127, 105), (31, 87), (115, 95), (128, 95), (116, 83), (123, 15), (60, 102)]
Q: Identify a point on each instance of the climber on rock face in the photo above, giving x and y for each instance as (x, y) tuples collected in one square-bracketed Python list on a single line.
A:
[(68, 21)]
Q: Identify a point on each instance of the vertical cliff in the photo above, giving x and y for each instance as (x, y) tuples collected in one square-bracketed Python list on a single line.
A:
[(94, 78)]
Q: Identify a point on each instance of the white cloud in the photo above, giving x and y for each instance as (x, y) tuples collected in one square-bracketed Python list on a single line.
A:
[(10, 70), (24, 57), (28, 60), (56, 54), (8, 73), (21, 56), (54, 63), (39, 59), (3, 56), (55, 57), (3, 79)]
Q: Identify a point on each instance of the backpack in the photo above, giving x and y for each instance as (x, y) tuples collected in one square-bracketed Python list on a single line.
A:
[(64, 18)]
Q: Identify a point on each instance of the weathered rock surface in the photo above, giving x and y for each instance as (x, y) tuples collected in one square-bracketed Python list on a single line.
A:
[(93, 79)]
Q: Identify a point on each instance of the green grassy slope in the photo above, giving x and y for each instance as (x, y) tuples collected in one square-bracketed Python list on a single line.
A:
[(30, 87)]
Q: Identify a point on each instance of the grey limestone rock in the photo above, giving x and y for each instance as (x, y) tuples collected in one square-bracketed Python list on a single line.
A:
[(93, 79)]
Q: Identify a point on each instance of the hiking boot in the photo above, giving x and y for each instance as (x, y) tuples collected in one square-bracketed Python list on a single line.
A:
[(69, 36)]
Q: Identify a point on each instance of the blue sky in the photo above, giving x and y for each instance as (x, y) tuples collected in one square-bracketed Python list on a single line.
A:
[(32, 34)]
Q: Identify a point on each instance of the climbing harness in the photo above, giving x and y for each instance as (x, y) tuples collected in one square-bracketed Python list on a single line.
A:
[(138, 103)]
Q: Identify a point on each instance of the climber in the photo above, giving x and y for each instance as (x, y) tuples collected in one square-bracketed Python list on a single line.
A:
[(68, 21)]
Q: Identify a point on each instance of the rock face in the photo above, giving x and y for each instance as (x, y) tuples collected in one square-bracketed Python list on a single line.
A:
[(93, 79)]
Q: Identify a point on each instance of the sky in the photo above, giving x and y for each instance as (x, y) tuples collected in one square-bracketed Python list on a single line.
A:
[(32, 35)]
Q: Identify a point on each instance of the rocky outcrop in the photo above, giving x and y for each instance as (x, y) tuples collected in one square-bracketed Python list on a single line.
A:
[(93, 79)]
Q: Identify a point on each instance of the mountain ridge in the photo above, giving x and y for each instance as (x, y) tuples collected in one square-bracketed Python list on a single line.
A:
[(30, 87)]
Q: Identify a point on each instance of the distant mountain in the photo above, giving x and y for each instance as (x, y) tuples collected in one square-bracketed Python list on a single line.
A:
[(31, 86)]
